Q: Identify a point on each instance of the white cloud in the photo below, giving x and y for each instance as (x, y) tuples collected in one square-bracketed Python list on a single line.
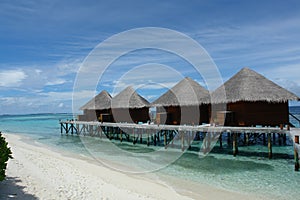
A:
[(11, 78), (56, 82)]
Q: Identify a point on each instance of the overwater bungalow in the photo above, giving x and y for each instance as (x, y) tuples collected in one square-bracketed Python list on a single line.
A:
[(185, 103), (252, 100), (97, 109), (128, 106)]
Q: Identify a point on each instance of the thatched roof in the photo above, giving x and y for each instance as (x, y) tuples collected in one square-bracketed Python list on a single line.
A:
[(128, 98), (248, 85), (185, 93), (100, 102)]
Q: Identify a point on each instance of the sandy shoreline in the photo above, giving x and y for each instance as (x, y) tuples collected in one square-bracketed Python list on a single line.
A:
[(37, 172)]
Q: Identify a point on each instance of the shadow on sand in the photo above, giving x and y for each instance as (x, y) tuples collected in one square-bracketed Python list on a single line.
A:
[(9, 189)]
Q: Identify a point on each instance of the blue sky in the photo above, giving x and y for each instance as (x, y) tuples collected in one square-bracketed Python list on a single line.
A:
[(43, 44)]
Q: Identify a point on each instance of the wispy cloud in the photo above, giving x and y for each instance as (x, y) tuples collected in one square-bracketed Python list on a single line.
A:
[(12, 78)]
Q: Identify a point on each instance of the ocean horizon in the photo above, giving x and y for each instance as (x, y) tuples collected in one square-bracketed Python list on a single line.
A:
[(251, 172)]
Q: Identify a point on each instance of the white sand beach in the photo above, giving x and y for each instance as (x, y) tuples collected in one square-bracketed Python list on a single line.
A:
[(37, 172)]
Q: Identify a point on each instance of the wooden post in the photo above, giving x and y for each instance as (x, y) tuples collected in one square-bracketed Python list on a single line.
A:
[(182, 141), (235, 144), (141, 137), (100, 130), (77, 129), (284, 138), (109, 133), (228, 138), (247, 139), (148, 138), (188, 134), (296, 155), (221, 141), (264, 139), (269, 145), (91, 130), (279, 139), (172, 138), (61, 128), (121, 135), (72, 129), (133, 134), (165, 139), (67, 128)]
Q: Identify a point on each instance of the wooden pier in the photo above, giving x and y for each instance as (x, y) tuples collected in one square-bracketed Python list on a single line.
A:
[(153, 134)]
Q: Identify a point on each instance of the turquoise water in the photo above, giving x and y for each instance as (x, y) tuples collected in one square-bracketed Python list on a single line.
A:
[(250, 172)]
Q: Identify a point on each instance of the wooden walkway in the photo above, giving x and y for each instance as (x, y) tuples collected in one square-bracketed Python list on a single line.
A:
[(153, 134)]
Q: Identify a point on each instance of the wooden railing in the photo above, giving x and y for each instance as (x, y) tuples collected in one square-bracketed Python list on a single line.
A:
[(295, 118)]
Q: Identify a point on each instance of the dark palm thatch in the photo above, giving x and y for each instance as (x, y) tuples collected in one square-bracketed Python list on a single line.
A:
[(248, 85), (185, 93), (128, 98), (100, 102)]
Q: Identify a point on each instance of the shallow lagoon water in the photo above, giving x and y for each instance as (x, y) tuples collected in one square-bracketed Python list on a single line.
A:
[(250, 172)]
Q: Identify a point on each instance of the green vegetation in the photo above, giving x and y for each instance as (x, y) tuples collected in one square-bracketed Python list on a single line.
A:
[(5, 154)]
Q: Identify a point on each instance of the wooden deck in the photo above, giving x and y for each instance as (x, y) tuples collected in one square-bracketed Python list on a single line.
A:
[(153, 134)]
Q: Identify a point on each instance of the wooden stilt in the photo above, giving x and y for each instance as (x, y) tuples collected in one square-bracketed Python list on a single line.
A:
[(148, 138), (264, 139), (189, 135), (296, 155), (247, 138), (165, 139), (121, 135), (182, 141), (67, 128), (100, 131), (221, 141), (284, 138), (172, 138), (152, 139), (228, 138), (77, 128), (269, 146), (234, 144), (279, 139), (133, 135), (110, 130)]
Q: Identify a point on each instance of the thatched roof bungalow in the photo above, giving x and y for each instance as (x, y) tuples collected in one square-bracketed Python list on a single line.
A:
[(252, 99), (98, 108), (185, 103), (128, 106)]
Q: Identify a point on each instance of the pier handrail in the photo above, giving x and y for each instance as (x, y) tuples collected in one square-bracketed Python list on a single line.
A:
[(294, 117)]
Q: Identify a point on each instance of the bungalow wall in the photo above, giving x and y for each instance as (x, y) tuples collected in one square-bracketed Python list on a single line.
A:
[(259, 113), (96, 115), (104, 115), (183, 115), (88, 115), (131, 115)]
